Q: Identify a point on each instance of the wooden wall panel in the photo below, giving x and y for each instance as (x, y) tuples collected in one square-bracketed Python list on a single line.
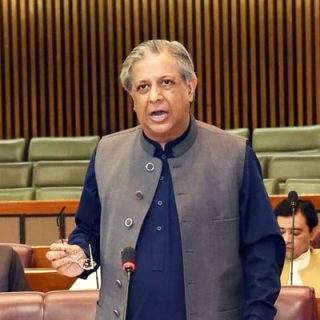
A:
[(258, 61)]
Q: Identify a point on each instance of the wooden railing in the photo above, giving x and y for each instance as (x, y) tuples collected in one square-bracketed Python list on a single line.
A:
[(40, 222), (38, 207), (314, 198), (45, 207)]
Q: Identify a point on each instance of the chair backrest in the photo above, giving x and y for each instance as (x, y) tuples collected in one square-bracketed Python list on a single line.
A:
[(15, 174), (17, 194), (294, 166), (21, 306), (296, 303), (271, 186), (54, 193), (302, 186), (59, 173), (242, 132), (293, 303), (62, 148), (71, 305), (53, 305), (13, 150), (286, 139), (24, 251)]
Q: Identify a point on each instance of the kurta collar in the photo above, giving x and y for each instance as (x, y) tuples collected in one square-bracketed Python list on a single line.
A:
[(302, 261), (179, 146)]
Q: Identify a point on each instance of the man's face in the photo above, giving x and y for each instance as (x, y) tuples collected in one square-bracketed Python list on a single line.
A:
[(301, 233), (161, 98)]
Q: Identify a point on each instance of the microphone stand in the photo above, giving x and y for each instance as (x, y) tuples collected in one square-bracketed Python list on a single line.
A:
[(129, 272), (128, 256), (293, 209), (293, 198)]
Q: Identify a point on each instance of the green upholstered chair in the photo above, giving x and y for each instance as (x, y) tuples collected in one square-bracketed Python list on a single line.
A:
[(274, 141), (62, 148), (271, 186), (15, 174), (302, 186), (59, 173), (17, 194), (13, 150), (54, 193), (293, 166), (242, 132)]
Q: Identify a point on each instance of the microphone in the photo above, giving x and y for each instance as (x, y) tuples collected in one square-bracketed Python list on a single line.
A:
[(128, 258), (293, 199)]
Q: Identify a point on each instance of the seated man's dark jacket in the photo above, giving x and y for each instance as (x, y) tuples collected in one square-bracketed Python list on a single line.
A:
[(12, 277)]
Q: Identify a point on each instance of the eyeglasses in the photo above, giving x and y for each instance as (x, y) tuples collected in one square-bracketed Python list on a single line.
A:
[(75, 256)]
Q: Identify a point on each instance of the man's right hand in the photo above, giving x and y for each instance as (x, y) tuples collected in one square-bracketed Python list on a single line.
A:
[(63, 256)]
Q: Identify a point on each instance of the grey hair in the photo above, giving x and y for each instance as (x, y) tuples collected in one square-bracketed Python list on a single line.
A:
[(175, 48)]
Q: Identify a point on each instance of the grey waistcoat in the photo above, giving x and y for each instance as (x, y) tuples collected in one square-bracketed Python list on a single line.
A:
[(207, 173)]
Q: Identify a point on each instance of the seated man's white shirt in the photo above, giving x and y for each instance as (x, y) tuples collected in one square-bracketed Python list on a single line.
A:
[(298, 264)]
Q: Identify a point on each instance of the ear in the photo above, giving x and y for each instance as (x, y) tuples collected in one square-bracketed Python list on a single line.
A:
[(192, 84), (313, 232)]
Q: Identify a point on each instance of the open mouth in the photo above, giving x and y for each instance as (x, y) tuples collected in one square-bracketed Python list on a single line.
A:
[(159, 115)]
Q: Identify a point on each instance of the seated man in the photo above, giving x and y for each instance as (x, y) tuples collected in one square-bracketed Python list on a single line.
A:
[(12, 277), (306, 260)]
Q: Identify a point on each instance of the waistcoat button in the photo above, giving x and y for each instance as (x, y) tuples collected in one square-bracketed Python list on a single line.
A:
[(116, 312), (139, 195), (119, 283), (128, 222), (150, 166)]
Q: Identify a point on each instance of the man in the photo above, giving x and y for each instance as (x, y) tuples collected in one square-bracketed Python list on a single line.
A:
[(12, 277), (306, 260), (187, 196)]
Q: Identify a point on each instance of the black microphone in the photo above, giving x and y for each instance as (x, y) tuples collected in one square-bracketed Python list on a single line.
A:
[(128, 258), (293, 199)]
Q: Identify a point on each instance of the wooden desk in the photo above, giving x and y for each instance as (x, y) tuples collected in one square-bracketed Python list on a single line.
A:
[(47, 279), (39, 257)]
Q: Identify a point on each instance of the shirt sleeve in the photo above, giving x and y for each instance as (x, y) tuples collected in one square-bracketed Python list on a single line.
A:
[(87, 219), (262, 245)]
